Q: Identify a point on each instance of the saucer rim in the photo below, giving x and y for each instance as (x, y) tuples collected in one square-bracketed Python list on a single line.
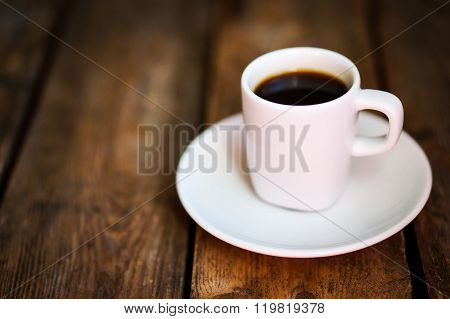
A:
[(298, 252)]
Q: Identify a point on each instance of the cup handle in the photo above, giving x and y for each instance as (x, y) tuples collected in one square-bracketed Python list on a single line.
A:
[(391, 106)]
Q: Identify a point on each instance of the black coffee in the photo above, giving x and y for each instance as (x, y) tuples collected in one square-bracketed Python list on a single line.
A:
[(301, 88)]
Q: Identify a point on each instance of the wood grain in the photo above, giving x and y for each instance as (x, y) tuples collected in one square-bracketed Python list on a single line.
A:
[(418, 69), (22, 47), (222, 271), (78, 174)]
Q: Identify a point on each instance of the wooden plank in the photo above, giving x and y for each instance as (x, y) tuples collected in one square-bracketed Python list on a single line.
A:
[(22, 47), (417, 69), (223, 271), (78, 174)]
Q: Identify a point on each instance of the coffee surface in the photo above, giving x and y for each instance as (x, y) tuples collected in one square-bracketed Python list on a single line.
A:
[(301, 88)]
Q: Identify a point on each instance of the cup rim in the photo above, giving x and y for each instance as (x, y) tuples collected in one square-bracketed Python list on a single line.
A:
[(354, 86)]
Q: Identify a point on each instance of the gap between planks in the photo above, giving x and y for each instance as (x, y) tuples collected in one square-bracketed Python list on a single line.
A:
[(35, 94)]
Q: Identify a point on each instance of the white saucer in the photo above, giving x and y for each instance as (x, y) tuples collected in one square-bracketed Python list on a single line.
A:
[(383, 195)]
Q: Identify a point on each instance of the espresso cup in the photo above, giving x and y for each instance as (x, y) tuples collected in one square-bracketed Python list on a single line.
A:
[(299, 156)]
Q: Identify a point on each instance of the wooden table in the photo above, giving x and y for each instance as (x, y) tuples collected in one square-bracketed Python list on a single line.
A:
[(69, 115)]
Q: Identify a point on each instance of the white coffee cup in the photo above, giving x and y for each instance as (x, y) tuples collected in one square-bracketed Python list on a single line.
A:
[(316, 176)]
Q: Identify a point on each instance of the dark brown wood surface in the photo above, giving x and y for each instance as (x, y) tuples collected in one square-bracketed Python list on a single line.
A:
[(77, 173), (22, 51), (417, 69), (68, 145)]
